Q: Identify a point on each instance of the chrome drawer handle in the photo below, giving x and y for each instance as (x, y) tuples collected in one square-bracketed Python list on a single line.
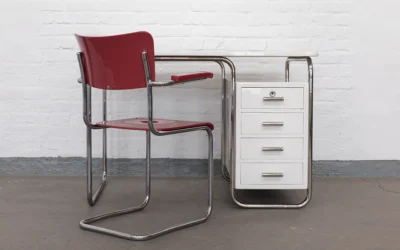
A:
[(273, 98), (272, 123), (272, 174), (272, 149)]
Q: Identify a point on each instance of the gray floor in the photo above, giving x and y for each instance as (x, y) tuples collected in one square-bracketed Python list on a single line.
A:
[(39, 212)]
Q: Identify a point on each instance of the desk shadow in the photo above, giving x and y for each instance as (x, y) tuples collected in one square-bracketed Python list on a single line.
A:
[(286, 197)]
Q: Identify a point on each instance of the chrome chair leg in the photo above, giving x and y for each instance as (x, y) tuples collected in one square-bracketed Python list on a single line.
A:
[(85, 224), (87, 118), (92, 198)]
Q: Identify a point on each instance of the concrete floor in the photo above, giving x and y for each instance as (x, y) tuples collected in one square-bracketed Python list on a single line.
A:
[(39, 212)]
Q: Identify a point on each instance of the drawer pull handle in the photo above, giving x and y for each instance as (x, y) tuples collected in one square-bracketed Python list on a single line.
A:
[(272, 124), (272, 149), (273, 98), (272, 174)]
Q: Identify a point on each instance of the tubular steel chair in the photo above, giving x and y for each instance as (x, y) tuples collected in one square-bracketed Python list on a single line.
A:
[(122, 62)]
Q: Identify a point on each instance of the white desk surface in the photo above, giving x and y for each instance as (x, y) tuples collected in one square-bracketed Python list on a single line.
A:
[(245, 54)]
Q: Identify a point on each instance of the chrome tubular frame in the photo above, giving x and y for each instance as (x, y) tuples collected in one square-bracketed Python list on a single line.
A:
[(87, 118), (307, 199), (226, 107), (225, 118), (86, 224)]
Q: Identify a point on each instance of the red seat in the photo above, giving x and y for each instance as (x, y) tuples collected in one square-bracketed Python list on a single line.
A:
[(140, 123)]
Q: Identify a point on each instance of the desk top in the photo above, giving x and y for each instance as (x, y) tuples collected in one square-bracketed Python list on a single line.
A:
[(243, 54)]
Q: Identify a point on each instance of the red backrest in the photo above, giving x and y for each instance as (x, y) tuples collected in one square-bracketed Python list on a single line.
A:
[(115, 62)]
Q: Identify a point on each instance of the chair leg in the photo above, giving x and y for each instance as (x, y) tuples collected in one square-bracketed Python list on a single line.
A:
[(85, 224), (90, 197)]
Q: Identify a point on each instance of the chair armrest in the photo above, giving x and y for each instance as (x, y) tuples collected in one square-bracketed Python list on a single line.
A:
[(191, 77), (178, 79), (175, 79)]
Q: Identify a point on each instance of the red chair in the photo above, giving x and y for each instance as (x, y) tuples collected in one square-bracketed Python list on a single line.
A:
[(123, 62)]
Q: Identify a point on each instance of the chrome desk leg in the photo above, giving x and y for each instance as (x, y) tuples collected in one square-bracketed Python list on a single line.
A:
[(287, 70), (228, 111), (224, 131), (85, 224), (310, 144), (230, 116)]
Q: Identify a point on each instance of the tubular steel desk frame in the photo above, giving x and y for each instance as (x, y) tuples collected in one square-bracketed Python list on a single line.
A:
[(228, 113)]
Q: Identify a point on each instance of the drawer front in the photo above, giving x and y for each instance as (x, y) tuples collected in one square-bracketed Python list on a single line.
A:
[(272, 98), (272, 123), (272, 148), (271, 173)]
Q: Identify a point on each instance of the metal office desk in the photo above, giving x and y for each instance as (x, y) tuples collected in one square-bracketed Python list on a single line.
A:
[(228, 107)]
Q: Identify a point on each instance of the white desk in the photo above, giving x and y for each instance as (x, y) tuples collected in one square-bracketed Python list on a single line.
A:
[(228, 135)]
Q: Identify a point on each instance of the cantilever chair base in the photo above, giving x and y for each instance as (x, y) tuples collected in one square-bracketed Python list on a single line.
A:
[(86, 223)]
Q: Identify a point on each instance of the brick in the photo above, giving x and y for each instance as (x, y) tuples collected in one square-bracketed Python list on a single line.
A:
[(341, 19), (213, 43), (331, 7), (290, 6)]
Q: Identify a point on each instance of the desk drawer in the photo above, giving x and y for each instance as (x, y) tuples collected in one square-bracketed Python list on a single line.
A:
[(271, 173), (272, 123), (272, 148), (272, 98)]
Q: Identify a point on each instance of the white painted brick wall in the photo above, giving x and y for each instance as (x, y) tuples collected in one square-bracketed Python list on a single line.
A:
[(356, 84)]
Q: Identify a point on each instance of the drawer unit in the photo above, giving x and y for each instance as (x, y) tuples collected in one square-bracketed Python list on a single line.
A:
[(272, 135), (272, 123), (272, 148), (262, 175), (272, 98)]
